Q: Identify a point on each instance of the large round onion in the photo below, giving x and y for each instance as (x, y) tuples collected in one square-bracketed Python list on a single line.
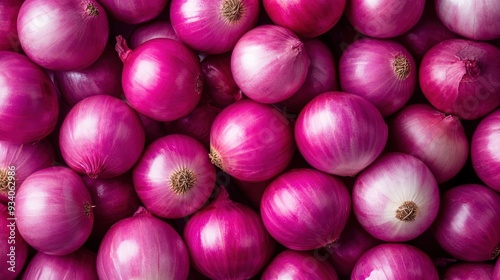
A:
[(9, 9), (134, 11), (13, 248), (152, 30), (483, 271)]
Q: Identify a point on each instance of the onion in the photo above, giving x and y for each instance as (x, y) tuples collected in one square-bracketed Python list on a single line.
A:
[(485, 151), (496, 272), (381, 71), (317, 204), (395, 261), (134, 11), (269, 63), (305, 18), (142, 247), (161, 79), (153, 129), (28, 106), (13, 248), (384, 18), (298, 265), (54, 211), (63, 35), (102, 77), (435, 138), (152, 30), (174, 177), (9, 10), (467, 224), (462, 78), (251, 141), (77, 265), (483, 271), (213, 26), (340, 133), (90, 147), (227, 240), (253, 191)]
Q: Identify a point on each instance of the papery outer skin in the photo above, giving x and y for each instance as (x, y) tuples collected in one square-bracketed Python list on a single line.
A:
[(51, 211), (446, 84), (20, 251), (220, 88), (61, 35), (254, 141), (25, 87), (159, 162), (366, 68), (435, 138), (90, 147), (476, 20), (269, 64), (460, 231), (227, 240), (485, 150), (162, 79), (340, 133), (128, 249), (469, 271), (316, 204), (202, 26), (9, 9), (395, 261), (77, 265), (134, 11), (305, 18), (152, 30), (384, 18), (299, 266)]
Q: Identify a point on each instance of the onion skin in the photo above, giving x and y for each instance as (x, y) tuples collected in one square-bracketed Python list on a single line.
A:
[(340, 133), (462, 78), (9, 40), (134, 11), (496, 272), (466, 271), (12, 244), (152, 30), (459, 228)]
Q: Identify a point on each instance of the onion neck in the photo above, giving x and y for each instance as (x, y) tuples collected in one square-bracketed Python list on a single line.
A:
[(471, 68), (4, 182), (215, 158), (122, 48), (407, 211), (232, 10), (496, 252), (182, 180), (222, 196), (91, 9), (402, 67)]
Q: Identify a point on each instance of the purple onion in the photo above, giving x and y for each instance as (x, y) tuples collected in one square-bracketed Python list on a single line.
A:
[(13, 249), (152, 30), (134, 12), (472, 271), (9, 40)]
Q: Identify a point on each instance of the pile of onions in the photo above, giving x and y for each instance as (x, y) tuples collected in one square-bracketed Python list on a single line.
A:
[(13, 248), (9, 10), (483, 271), (298, 265), (152, 30), (134, 12), (63, 35)]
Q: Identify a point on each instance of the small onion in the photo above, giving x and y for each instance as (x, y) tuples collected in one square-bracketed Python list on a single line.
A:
[(9, 9), (134, 11), (469, 271), (152, 30), (13, 248)]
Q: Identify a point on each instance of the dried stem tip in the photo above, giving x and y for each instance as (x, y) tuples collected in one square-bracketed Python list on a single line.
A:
[(232, 10), (4, 182), (182, 180), (401, 67), (215, 158), (407, 212), (92, 10)]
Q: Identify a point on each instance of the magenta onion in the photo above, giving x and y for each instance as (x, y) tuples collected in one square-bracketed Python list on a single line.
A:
[(63, 35), (90, 147), (251, 141), (28, 106), (161, 79), (396, 199), (381, 71), (77, 265), (9, 9), (316, 204), (467, 224), (152, 30), (384, 18), (102, 77), (253, 191), (462, 78), (153, 129), (300, 266), (340, 133), (395, 261), (227, 240), (54, 211), (269, 63), (142, 247), (435, 138), (496, 271), (134, 11), (485, 151), (13, 248), (213, 26), (469, 271), (174, 177)]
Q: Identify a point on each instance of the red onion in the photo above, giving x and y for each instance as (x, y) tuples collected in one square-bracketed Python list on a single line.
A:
[(142, 247), (9, 9), (213, 26), (251, 141), (54, 211), (131, 11), (462, 77), (435, 138), (483, 271), (227, 240), (174, 177), (102, 77), (77, 265), (305, 18), (381, 71), (485, 151), (298, 265), (395, 261), (153, 129), (269, 63), (496, 271), (467, 224), (316, 204), (253, 191), (340, 133), (13, 248), (384, 18), (90, 147), (29, 106), (161, 79), (152, 30), (63, 35)]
